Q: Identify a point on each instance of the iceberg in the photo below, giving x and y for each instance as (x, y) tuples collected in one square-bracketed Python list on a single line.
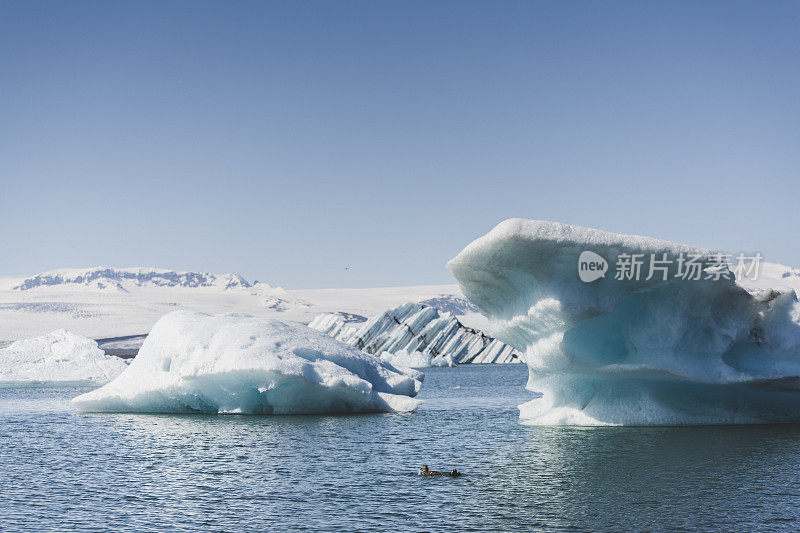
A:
[(657, 349), (416, 328), (233, 363), (416, 359), (58, 359)]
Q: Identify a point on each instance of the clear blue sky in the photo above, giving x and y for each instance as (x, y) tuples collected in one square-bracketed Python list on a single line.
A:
[(287, 141)]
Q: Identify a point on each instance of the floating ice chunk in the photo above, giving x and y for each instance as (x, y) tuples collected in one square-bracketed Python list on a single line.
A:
[(416, 359), (192, 362), (415, 327), (663, 350), (58, 359)]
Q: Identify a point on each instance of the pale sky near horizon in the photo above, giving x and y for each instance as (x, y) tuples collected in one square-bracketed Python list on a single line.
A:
[(356, 144)]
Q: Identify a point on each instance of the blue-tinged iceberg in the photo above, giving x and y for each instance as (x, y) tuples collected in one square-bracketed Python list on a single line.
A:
[(417, 335), (658, 348), (193, 362)]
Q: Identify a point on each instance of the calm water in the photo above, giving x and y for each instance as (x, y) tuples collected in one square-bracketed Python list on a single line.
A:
[(63, 470)]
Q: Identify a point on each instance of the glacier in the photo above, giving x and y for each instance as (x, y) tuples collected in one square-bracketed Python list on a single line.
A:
[(192, 362), (59, 359), (418, 334), (108, 303), (658, 351)]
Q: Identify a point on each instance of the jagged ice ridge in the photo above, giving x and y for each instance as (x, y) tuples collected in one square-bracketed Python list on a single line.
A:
[(438, 337)]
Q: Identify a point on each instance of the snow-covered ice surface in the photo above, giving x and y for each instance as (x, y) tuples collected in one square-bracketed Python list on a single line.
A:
[(108, 303), (635, 352), (425, 335), (233, 363), (58, 359)]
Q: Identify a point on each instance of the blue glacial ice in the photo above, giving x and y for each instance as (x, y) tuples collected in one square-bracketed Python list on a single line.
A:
[(193, 362), (661, 351)]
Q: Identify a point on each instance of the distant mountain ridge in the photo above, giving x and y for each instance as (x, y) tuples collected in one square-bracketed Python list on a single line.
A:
[(124, 279)]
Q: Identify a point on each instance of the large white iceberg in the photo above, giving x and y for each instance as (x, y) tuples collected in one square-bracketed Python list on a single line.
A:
[(661, 351), (193, 362), (58, 359), (437, 337)]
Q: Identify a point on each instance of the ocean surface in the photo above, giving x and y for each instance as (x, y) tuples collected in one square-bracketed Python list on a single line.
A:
[(61, 470)]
